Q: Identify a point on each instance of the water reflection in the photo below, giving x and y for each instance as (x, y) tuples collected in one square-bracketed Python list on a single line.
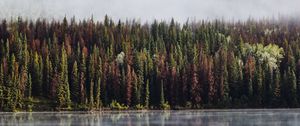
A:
[(282, 117)]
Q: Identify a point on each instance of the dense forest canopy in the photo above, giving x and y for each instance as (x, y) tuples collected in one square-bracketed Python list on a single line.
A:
[(89, 65)]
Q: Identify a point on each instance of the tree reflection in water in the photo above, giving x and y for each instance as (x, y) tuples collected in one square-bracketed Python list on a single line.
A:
[(274, 117)]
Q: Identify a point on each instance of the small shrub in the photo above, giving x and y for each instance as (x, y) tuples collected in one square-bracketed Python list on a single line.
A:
[(114, 105), (139, 107), (188, 105), (165, 106)]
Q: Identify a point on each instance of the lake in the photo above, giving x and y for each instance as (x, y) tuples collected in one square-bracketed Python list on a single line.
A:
[(232, 117)]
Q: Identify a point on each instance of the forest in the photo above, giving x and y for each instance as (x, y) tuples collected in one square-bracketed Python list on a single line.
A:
[(118, 65)]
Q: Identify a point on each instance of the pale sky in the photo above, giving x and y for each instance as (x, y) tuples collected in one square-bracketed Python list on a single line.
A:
[(147, 10)]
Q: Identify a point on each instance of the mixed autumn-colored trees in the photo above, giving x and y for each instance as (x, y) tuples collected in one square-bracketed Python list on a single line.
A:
[(86, 64)]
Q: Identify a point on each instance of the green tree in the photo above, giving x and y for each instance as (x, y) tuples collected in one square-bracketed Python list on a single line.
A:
[(277, 88), (258, 85), (291, 84), (2, 87), (37, 75), (98, 93), (63, 92), (75, 86), (147, 94), (162, 94)]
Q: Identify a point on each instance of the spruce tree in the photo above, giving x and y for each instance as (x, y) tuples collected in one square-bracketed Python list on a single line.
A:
[(291, 88), (147, 94), (63, 92), (36, 75), (75, 86), (162, 95), (276, 88), (98, 93), (258, 85)]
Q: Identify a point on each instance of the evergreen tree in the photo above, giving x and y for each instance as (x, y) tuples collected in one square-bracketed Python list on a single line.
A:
[(82, 79), (98, 93), (249, 76), (147, 94), (63, 92), (277, 88), (36, 75), (128, 85), (162, 95), (291, 84), (75, 86), (258, 85), (195, 88), (2, 87), (233, 78)]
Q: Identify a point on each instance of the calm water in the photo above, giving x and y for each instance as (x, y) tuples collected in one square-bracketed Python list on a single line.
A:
[(270, 117)]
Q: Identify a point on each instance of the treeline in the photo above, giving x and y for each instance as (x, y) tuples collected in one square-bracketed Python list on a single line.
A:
[(91, 65)]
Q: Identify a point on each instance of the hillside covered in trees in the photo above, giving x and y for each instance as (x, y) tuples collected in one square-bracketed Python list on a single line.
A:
[(89, 65)]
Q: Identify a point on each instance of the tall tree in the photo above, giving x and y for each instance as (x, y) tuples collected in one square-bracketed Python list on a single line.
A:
[(63, 92), (75, 85)]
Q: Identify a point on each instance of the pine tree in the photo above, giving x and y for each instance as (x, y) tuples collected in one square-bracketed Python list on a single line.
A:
[(268, 92), (98, 76), (63, 92), (37, 75), (13, 99), (147, 94), (82, 79), (249, 76), (277, 88), (211, 83), (91, 92), (162, 95), (135, 96), (29, 87), (298, 80), (90, 79), (233, 78), (128, 85), (47, 74), (75, 86), (225, 96), (195, 88), (98, 94), (2, 87), (291, 88), (258, 85)]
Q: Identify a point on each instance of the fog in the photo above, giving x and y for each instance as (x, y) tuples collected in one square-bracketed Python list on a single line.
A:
[(148, 10)]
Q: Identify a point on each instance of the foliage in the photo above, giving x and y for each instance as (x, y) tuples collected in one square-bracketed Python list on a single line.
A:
[(139, 107), (270, 54), (165, 106), (93, 64), (114, 105)]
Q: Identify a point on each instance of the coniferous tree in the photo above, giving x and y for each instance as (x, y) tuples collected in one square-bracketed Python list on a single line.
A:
[(2, 87), (98, 94), (36, 75), (258, 85), (128, 85), (63, 92), (82, 79), (75, 85), (147, 94), (298, 80), (249, 76), (276, 88), (233, 78), (205, 64), (162, 94), (212, 89), (291, 88)]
